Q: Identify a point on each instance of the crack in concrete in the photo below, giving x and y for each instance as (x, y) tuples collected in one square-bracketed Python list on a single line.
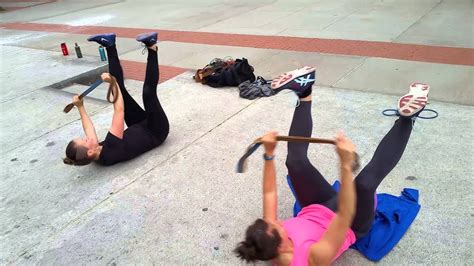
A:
[(226, 18), (417, 21), (344, 17), (349, 73), (53, 130), (78, 10)]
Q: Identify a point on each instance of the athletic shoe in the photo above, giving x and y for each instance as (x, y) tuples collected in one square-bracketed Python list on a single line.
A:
[(148, 39), (412, 103), (299, 81), (106, 40)]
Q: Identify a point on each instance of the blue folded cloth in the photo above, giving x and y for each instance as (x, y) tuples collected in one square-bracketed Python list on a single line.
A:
[(393, 216)]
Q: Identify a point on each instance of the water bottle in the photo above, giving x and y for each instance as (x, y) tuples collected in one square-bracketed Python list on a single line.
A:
[(64, 49), (78, 51), (102, 54)]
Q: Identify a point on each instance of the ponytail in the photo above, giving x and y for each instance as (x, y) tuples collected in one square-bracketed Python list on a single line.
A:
[(259, 244), (246, 251)]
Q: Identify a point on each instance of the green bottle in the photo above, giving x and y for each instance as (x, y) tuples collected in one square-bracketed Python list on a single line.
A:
[(78, 51)]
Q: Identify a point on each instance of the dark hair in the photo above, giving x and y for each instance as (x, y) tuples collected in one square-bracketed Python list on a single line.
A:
[(258, 244), (76, 155)]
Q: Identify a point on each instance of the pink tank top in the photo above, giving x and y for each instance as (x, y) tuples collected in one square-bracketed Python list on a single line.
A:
[(307, 228)]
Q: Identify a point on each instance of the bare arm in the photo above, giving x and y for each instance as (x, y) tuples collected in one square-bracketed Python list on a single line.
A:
[(324, 251), (87, 124), (117, 126), (270, 201)]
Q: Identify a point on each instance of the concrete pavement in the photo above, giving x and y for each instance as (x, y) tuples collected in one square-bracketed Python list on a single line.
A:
[(182, 203)]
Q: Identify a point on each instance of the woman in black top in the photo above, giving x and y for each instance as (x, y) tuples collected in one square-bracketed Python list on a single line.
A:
[(147, 128)]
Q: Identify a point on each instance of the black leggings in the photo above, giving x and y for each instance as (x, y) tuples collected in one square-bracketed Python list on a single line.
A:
[(310, 186), (154, 114)]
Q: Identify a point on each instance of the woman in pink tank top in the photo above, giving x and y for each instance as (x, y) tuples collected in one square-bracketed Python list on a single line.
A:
[(329, 222)]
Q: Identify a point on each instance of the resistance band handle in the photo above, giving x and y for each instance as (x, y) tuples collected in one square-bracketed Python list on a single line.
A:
[(111, 95), (241, 164), (68, 108)]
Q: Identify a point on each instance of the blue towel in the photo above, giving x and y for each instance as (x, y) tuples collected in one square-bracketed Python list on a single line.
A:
[(393, 216)]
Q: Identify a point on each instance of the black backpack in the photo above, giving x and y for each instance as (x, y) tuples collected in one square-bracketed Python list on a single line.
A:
[(231, 75)]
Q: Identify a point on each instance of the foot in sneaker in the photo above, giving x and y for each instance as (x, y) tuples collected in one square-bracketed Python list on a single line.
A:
[(412, 103), (149, 39), (106, 40), (300, 81)]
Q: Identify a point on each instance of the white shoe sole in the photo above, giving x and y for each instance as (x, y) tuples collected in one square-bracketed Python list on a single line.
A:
[(414, 101), (287, 77)]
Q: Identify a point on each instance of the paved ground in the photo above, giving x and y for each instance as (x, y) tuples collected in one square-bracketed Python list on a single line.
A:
[(182, 203)]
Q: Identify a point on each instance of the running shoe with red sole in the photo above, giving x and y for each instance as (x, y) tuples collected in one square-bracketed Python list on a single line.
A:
[(415, 101), (298, 80)]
